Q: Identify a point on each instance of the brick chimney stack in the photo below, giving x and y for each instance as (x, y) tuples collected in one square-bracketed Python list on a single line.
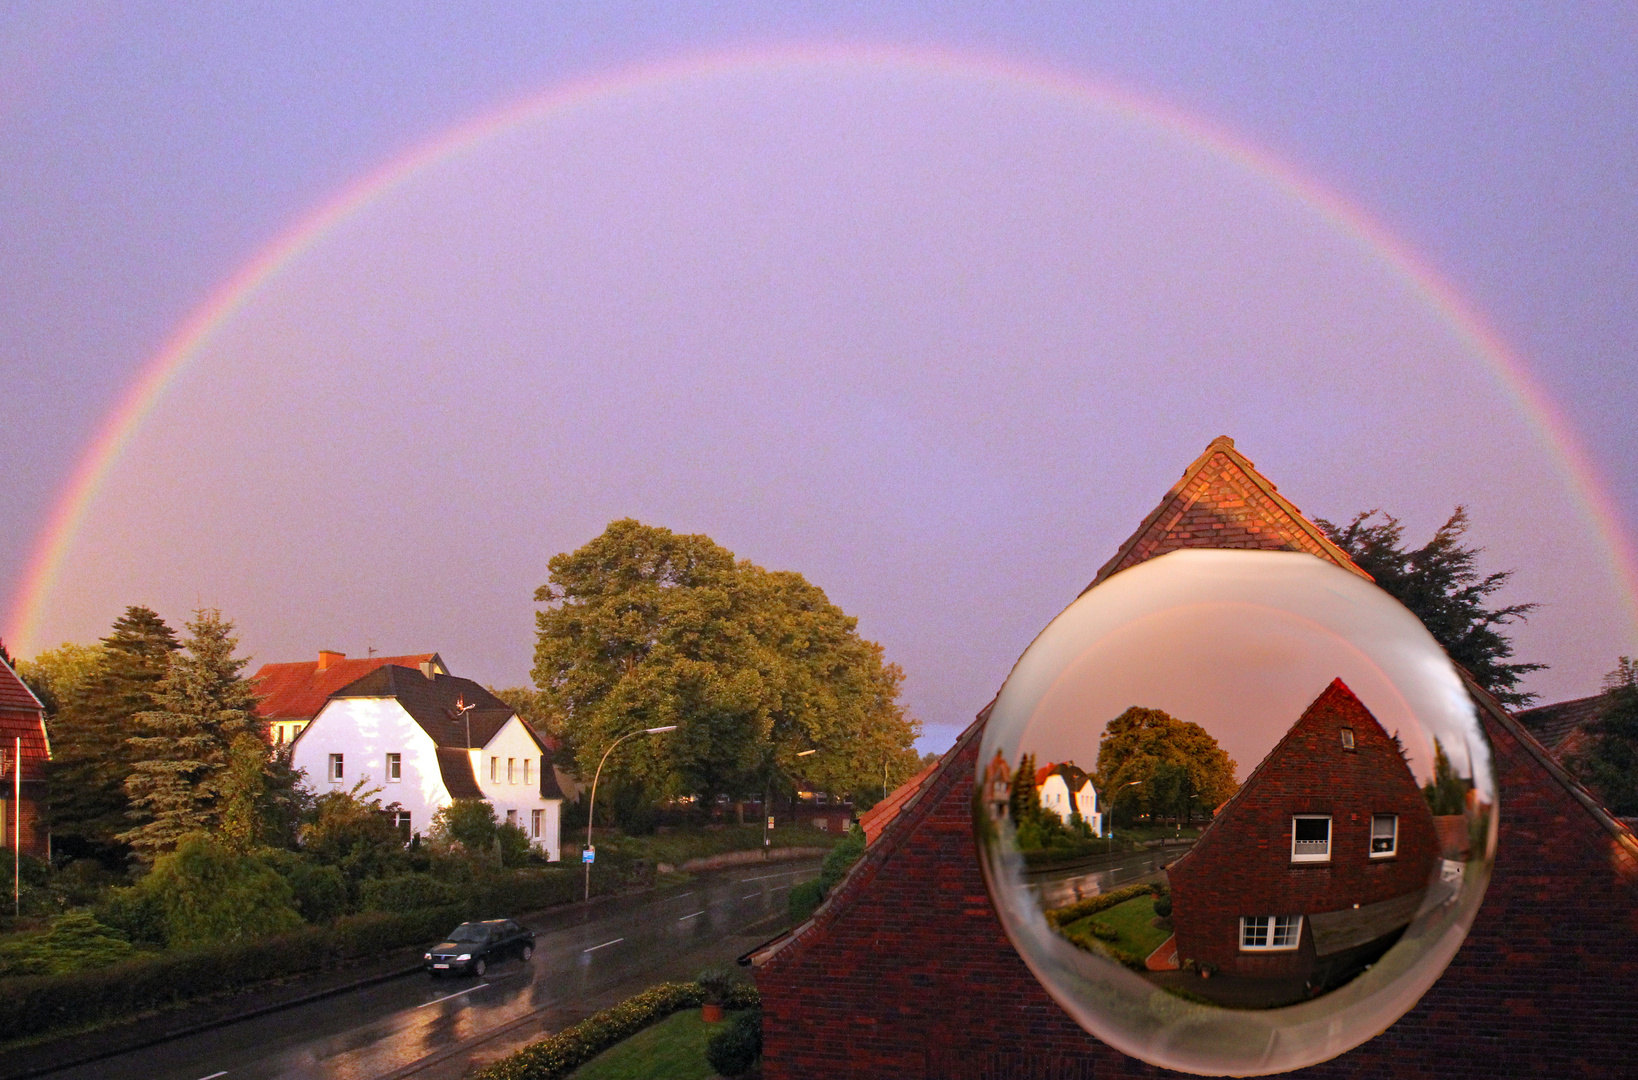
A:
[(328, 657)]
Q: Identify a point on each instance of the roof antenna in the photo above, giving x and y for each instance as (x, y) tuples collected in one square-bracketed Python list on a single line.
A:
[(465, 710), (370, 651)]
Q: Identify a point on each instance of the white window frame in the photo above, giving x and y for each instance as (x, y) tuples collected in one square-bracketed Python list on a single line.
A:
[(1309, 855), (535, 817), (526, 763), (1347, 738), (1393, 839), (1278, 933), (494, 769), (395, 768), (338, 768), (511, 770)]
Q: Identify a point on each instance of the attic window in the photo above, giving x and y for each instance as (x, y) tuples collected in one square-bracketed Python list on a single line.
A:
[(1347, 738), (1311, 838)]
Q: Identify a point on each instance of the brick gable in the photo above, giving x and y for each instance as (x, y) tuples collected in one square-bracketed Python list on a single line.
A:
[(905, 970)]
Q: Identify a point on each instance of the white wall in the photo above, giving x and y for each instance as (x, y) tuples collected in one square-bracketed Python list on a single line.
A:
[(519, 792), (364, 731)]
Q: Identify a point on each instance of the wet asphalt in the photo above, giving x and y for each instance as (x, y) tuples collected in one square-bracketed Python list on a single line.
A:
[(585, 959)]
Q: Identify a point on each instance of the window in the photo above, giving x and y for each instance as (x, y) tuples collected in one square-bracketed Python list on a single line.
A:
[(1384, 835), (395, 766), (401, 819), (821, 824), (278, 732), (511, 770), (534, 822), (1311, 838), (1347, 738), (494, 769), (1270, 933), (336, 771), (512, 818)]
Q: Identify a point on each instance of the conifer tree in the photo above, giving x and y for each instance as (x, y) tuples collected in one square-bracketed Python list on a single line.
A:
[(91, 756), (1609, 764), (202, 705)]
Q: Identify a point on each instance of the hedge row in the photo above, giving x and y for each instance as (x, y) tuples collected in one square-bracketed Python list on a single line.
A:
[(1061, 917), (558, 1055)]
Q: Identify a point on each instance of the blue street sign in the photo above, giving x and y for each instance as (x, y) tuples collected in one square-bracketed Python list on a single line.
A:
[(589, 855)]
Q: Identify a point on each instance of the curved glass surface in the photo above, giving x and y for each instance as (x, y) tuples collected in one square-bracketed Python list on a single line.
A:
[(1235, 810)]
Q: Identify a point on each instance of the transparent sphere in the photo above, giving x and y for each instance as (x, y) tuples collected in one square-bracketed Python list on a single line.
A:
[(1235, 810)]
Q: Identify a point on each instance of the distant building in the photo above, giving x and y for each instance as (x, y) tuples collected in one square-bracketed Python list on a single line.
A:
[(23, 717), (1066, 790), (1563, 726), (426, 738), (1318, 862), (292, 694)]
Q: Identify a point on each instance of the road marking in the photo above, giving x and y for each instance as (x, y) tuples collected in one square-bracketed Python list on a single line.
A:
[(680, 896), (214, 1075), (748, 895), (685, 918), (765, 877), (424, 1004), (605, 945)]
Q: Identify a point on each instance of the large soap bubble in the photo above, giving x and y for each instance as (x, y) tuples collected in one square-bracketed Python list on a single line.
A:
[(1235, 810)]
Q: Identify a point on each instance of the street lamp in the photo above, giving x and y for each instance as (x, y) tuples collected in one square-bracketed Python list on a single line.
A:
[(1123, 787), (591, 804), (767, 797)]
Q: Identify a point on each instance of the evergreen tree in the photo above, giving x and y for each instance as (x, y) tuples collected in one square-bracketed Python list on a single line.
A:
[(1024, 801), (1446, 793), (91, 756), (1440, 584), (201, 706), (1609, 764)]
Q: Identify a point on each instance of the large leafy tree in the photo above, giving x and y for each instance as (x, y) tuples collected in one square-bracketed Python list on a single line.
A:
[(98, 691), (1149, 759), (1441, 584), (1609, 763), (182, 768), (647, 628)]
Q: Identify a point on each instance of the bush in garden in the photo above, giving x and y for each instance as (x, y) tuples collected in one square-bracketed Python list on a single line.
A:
[(75, 942), (407, 892), (805, 899), (319, 892), (136, 913), (1163, 907), (733, 1050), (352, 832), (211, 895)]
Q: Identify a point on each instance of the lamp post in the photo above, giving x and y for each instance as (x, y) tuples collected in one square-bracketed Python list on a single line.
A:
[(591, 804), (1123, 787), (767, 799)]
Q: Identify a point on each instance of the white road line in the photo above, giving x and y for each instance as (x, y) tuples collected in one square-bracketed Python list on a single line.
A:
[(680, 896), (605, 945), (214, 1075), (424, 1004), (748, 895), (765, 877), (685, 918)]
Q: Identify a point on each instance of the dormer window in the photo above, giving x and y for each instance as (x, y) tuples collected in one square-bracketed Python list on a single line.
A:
[(1311, 838), (1347, 738)]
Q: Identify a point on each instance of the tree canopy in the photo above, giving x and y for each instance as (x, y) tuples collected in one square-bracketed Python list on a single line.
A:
[(648, 628), (1150, 761), (1441, 585), (1609, 763)]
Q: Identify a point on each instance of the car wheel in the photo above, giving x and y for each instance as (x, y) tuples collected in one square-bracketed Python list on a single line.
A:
[(479, 967), (528, 951)]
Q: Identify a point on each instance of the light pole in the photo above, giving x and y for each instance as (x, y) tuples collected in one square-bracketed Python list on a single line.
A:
[(591, 804), (767, 799), (1123, 787)]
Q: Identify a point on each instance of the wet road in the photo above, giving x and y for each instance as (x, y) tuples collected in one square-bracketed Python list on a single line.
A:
[(584, 959), (1058, 888)]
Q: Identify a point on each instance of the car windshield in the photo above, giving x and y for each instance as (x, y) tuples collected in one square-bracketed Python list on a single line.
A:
[(470, 932)]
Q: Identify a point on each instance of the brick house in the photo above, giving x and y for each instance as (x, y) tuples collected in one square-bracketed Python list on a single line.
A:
[(22, 717), (1314, 867), (905, 970), (290, 695)]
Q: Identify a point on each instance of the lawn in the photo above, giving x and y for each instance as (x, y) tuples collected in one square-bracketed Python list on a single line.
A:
[(674, 1048), (1132, 921)]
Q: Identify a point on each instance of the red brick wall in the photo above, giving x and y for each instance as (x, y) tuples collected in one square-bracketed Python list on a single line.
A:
[(906, 971), (1242, 864), (33, 824)]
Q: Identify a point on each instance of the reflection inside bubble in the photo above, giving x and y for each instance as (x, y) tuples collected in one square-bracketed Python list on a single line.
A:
[(1237, 810)]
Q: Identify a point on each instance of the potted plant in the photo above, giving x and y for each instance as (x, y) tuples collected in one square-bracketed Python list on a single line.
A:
[(715, 983)]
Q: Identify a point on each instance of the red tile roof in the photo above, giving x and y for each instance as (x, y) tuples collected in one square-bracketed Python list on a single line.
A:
[(298, 691), (22, 717), (874, 820), (1562, 727)]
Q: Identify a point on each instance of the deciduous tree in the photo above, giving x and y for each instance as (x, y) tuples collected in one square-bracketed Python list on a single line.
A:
[(1150, 758)]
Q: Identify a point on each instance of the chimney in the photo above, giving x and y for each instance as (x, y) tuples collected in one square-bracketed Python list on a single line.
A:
[(328, 657), (427, 669)]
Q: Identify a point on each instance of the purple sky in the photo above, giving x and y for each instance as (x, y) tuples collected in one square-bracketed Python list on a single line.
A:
[(935, 341)]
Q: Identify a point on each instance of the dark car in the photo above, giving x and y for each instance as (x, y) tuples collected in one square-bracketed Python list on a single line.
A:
[(473, 946)]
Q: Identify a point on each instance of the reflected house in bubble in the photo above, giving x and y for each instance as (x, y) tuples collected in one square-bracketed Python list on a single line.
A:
[(1315, 866), (997, 787), (1066, 790)]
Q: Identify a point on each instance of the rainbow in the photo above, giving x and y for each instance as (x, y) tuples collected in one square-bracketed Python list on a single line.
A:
[(72, 507)]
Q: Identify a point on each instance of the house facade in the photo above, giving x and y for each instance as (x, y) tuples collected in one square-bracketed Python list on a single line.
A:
[(426, 738), (1066, 790), (23, 779), (1314, 867), (290, 695), (905, 970)]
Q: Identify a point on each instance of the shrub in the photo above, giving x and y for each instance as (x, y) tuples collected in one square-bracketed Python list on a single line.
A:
[(211, 895), (1163, 906), (407, 892), (805, 899), (841, 859), (319, 892), (558, 1055), (136, 913), (1061, 917), (716, 983), (735, 1049), (75, 942)]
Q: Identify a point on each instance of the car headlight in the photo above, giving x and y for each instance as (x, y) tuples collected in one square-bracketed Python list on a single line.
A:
[(428, 956), (463, 958)]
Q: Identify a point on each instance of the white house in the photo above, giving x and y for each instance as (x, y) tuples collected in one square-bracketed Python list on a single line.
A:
[(1065, 789), (426, 738)]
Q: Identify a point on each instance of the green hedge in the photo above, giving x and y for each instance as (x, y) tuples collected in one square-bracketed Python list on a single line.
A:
[(32, 1005), (558, 1055), (1061, 917)]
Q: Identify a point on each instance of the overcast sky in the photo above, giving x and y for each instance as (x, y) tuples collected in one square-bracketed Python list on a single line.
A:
[(934, 335)]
